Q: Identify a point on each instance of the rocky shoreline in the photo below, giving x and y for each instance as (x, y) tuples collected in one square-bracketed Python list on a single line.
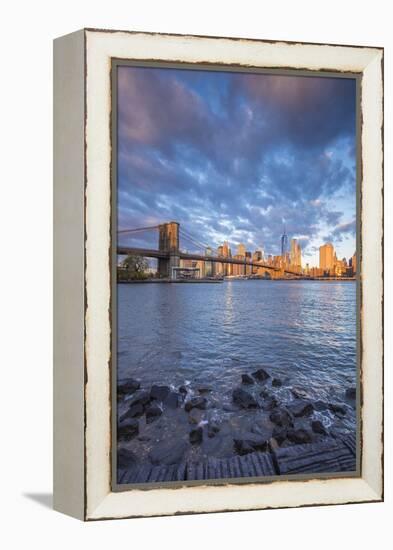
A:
[(264, 419)]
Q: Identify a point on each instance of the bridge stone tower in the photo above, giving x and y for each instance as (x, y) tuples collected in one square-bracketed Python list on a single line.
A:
[(168, 242)]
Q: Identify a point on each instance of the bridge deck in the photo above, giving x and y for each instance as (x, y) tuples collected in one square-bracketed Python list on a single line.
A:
[(331, 456)]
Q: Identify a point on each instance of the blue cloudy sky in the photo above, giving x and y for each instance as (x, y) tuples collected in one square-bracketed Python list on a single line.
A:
[(238, 156)]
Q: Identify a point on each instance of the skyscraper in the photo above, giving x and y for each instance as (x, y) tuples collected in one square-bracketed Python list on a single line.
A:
[(326, 256), (296, 254), (284, 243)]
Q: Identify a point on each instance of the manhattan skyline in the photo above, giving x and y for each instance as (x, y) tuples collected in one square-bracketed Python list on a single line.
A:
[(237, 157)]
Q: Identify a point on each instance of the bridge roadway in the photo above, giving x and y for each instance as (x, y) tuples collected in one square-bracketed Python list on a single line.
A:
[(162, 254)]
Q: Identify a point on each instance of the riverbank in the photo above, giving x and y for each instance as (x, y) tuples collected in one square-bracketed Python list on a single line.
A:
[(267, 426)]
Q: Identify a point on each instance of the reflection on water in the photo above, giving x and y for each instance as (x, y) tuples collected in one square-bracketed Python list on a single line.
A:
[(301, 329)]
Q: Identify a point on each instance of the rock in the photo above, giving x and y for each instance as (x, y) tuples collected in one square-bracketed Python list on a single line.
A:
[(261, 375), (143, 438), (244, 399), (153, 412), (264, 393), (338, 409), (159, 392), (128, 386), (204, 389), (212, 429), (300, 408), (134, 411), (299, 436), (168, 452), (195, 416), (273, 444), (246, 446), (299, 393), (140, 396), (125, 458), (318, 427), (280, 435), (128, 428), (276, 382), (281, 418), (320, 405), (247, 379), (196, 403), (173, 400), (350, 393), (269, 404), (183, 390), (196, 435)]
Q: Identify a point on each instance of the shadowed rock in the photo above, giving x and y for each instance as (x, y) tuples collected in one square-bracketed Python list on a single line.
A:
[(261, 375), (204, 389), (301, 408), (125, 458), (350, 393), (244, 399), (128, 386), (320, 405), (338, 409), (152, 413), (195, 416), (212, 429), (276, 382), (159, 392), (299, 393), (196, 403), (246, 446), (173, 400), (140, 396), (196, 436), (269, 404), (183, 390), (168, 452), (318, 427), (299, 436), (281, 418), (247, 379), (128, 428), (134, 411), (280, 435)]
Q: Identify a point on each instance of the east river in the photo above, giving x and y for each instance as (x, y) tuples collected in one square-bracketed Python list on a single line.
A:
[(301, 332)]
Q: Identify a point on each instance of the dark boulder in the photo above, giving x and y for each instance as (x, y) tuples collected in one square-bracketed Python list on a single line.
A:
[(196, 403), (134, 411), (269, 404), (320, 405), (128, 386), (280, 435), (299, 436), (246, 446), (127, 429), (299, 393), (204, 389), (318, 428), (168, 452), (159, 392), (244, 399), (173, 400), (196, 436), (195, 416), (282, 418), (153, 412), (264, 393), (261, 375), (247, 379), (125, 458), (212, 429), (276, 382), (301, 408), (183, 390), (338, 409), (350, 393), (140, 396)]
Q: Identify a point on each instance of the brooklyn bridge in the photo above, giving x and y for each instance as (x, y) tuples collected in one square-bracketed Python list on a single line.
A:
[(170, 253)]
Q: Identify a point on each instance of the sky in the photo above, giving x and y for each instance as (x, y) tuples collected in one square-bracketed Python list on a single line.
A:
[(238, 157)]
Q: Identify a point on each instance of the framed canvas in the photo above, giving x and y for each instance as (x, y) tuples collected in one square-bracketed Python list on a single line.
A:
[(218, 340)]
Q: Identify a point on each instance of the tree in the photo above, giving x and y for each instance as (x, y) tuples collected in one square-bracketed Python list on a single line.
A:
[(135, 267)]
